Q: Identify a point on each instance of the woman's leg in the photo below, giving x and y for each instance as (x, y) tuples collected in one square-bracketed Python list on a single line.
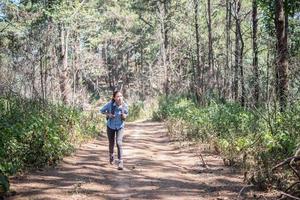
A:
[(119, 143), (111, 141), (120, 148)]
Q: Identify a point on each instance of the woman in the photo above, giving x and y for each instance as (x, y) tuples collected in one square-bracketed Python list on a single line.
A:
[(116, 112)]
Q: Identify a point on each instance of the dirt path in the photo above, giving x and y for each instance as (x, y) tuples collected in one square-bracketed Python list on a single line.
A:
[(154, 169)]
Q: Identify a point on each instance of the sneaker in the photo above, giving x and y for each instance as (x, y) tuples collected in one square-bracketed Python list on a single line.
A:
[(120, 166), (111, 159)]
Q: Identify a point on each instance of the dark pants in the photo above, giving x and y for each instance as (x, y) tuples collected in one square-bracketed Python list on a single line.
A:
[(111, 134)]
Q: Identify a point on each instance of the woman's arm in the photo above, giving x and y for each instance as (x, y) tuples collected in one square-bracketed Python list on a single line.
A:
[(124, 111), (106, 109)]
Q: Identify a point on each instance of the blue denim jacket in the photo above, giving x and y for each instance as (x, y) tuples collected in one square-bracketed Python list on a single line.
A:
[(115, 123)]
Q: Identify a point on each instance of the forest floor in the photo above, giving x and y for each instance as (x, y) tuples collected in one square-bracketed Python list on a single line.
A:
[(154, 168)]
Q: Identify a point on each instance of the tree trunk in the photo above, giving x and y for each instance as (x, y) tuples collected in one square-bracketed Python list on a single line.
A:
[(63, 60), (41, 64), (212, 77), (241, 56), (198, 66), (282, 54), (237, 53), (163, 12), (267, 97), (255, 53), (166, 45), (226, 81), (143, 82), (76, 67), (231, 54)]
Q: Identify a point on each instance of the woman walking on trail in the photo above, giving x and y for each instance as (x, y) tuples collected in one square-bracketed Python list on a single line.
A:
[(116, 112)]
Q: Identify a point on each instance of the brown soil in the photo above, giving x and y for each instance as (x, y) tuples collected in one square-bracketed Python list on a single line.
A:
[(155, 168)]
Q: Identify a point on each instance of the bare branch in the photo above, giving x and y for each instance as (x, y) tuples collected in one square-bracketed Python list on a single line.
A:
[(286, 161), (288, 195)]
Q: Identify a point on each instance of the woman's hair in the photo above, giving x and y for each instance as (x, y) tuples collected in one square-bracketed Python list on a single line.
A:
[(114, 94)]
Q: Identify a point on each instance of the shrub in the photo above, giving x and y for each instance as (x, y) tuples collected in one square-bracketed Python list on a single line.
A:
[(35, 134), (135, 111), (252, 139)]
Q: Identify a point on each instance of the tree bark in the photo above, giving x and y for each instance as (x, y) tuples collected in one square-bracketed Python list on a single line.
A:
[(226, 81), (166, 45), (41, 64), (63, 60), (237, 53), (212, 77), (255, 53), (241, 65), (198, 65), (163, 8), (282, 54)]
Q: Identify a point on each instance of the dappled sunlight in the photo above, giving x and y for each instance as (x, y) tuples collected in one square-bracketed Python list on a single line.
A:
[(154, 169)]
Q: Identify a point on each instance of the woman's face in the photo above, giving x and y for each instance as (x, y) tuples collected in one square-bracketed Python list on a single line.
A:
[(118, 98)]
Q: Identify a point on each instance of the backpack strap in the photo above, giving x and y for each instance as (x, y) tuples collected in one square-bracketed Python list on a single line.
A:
[(112, 108)]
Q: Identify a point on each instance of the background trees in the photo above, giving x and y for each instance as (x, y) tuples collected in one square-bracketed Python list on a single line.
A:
[(60, 50)]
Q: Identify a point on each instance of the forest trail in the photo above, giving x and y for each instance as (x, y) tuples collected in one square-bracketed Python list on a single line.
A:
[(155, 168)]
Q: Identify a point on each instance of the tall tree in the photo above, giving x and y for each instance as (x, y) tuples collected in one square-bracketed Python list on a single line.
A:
[(199, 86), (282, 53), (237, 51), (63, 61), (211, 66), (255, 52), (227, 83), (163, 9)]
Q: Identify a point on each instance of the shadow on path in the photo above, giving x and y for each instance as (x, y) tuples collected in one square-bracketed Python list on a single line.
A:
[(154, 169)]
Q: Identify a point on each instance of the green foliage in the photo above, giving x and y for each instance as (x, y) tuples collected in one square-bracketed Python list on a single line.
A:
[(241, 136), (135, 111), (4, 184), (33, 134)]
